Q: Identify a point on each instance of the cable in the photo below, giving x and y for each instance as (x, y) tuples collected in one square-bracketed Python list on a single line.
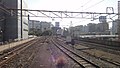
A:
[(91, 6), (84, 4), (94, 5)]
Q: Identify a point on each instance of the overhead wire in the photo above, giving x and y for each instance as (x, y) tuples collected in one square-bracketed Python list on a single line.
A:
[(85, 4), (90, 6), (94, 5)]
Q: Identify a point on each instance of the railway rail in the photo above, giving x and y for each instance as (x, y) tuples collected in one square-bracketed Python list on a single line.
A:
[(84, 63), (10, 54), (103, 59), (116, 64), (101, 47)]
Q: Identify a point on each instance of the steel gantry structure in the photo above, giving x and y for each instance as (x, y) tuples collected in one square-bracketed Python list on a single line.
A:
[(66, 14)]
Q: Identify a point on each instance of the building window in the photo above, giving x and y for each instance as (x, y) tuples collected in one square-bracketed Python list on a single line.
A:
[(25, 23), (26, 30)]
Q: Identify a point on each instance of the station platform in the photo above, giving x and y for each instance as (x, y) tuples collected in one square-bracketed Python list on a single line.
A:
[(13, 44)]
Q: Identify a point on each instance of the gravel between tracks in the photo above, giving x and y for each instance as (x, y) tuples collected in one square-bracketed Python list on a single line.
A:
[(47, 55)]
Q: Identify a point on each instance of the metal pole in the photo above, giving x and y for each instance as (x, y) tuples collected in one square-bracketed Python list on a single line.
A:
[(118, 21), (28, 23), (21, 22)]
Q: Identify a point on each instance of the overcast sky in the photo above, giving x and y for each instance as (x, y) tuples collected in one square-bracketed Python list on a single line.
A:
[(72, 5)]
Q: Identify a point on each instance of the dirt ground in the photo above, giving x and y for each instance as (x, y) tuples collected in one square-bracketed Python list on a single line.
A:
[(48, 56)]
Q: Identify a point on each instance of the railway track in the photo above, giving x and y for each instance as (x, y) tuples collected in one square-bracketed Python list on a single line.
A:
[(6, 57), (113, 50), (84, 63), (114, 63), (103, 59)]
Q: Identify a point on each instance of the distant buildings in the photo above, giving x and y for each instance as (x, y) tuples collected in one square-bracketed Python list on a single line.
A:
[(102, 19), (77, 30), (56, 28), (34, 24), (45, 26), (90, 29), (38, 26), (115, 27), (10, 21), (119, 20), (57, 24)]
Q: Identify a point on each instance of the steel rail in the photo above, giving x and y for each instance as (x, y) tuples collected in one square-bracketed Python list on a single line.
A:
[(12, 54), (61, 47)]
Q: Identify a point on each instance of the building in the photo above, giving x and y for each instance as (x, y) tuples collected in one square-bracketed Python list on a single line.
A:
[(100, 28), (115, 27), (37, 26), (85, 29), (24, 19), (45, 26), (34, 24), (10, 23), (57, 24), (91, 27), (77, 30), (55, 29), (102, 19), (119, 20)]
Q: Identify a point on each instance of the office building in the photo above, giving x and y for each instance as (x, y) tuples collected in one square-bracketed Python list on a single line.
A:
[(10, 24)]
